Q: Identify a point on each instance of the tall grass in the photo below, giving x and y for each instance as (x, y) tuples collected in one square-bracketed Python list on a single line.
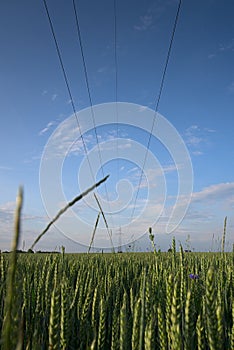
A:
[(120, 301), (8, 328)]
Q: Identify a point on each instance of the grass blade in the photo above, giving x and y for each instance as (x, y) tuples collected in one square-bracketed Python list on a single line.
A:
[(70, 204), (8, 321), (94, 231)]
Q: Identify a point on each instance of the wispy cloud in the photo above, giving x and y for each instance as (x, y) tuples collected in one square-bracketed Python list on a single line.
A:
[(170, 168), (8, 207), (152, 14), (145, 22), (192, 135), (212, 55), (34, 222), (47, 93), (197, 153), (103, 146), (67, 141), (209, 205), (204, 217), (103, 69), (133, 170), (201, 220), (228, 46), (54, 96), (6, 222), (231, 88), (47, 128), (197, 137), (7, 213), (223, 48), (5, 168), (209, 130), (218, 192), (152, 178)]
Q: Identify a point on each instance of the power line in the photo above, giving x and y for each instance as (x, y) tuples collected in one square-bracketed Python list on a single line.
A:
[(116, 87), (90, 98), (115, 52), (69, 90), (116, 61), (67, 84), (157, 103)]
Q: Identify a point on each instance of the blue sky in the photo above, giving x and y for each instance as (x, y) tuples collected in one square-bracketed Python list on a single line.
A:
[(197, 100)]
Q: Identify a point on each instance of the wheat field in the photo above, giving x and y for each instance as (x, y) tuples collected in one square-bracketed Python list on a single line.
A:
[(126, 301)]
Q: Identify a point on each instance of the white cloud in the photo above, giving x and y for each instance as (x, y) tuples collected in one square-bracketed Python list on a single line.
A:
[(189, 133), (34, 222), (145, 22), (210, 130), (109, 147), (143, 108), (7, 207), (103, 69), (212, 55), (7, 211), (48, 126), (194, 140), (197, 138), (5, 168), (54, 96), (223, 48), (228, 46), (153, 13), (201, 220), (217, 193), (6, 224), (133, 170), (197, 153), (207, 209), (170, 168), (67, 139), (152, 174), (231, 88)]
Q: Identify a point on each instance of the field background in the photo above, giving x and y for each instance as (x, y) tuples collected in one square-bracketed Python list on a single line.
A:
[(126, 301)]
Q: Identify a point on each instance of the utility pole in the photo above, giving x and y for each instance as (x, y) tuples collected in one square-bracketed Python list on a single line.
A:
[(120, 241)]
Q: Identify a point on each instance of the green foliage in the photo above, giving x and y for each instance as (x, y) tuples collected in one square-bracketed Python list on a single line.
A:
[(119, 301)]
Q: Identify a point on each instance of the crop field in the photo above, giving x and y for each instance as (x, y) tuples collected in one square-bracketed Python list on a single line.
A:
[(126, 301)]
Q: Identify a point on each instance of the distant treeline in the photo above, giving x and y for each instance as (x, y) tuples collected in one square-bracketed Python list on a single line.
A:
[(30, 251)]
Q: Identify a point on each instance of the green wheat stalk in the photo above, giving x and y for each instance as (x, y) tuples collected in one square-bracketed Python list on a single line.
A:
[(124, 325), (162, 335), (136, 325), (211, 317), (201, 343), (176, 335), (70, 204), (102, 325), (8, 321), (224, 234)]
